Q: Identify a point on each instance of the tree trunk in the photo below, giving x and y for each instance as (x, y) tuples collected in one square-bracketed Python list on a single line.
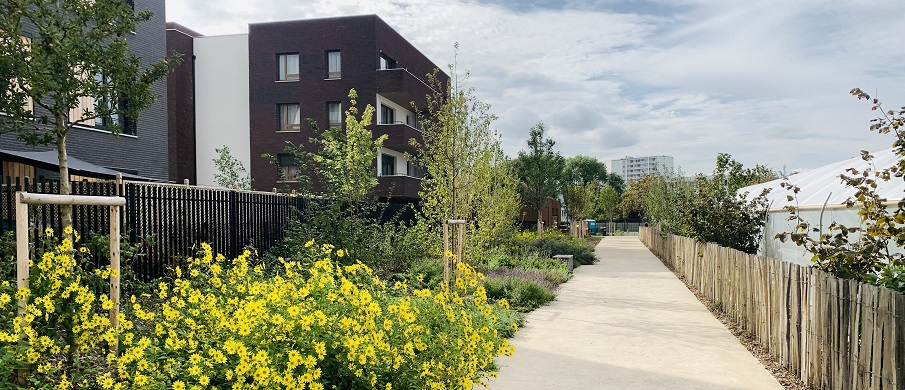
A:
[(65, 185), (540, 223)]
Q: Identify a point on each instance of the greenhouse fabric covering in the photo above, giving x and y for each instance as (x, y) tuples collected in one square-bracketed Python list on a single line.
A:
[(819, 187)]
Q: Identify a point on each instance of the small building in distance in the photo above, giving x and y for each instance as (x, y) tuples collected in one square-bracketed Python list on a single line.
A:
[(634, 168)]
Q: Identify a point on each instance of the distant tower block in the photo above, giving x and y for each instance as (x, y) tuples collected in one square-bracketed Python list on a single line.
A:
[(634, 168)]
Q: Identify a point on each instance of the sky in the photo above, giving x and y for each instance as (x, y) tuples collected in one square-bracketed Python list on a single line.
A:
[(766, 81)]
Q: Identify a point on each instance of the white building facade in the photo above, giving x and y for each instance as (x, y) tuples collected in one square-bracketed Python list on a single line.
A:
[(634, 168)]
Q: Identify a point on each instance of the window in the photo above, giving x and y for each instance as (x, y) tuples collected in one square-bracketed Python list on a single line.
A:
[(334, 65), (387, 115), (288, 167), (289, 117), (106, 104), (289, 67), (334, 115), (414, 170), (387, 165), (386, 62)]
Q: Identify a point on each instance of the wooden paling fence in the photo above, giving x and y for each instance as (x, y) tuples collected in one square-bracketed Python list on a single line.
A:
[(835, 333)]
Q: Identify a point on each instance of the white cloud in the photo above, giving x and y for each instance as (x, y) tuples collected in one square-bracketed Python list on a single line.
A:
[(766, 81)]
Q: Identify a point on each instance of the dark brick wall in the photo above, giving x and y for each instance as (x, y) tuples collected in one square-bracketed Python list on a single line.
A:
[(357, 39), (181, 106), (146, 153), (406, 55)]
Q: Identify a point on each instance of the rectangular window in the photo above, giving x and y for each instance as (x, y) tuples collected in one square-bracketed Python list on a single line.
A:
[(106, 104), (414, 170), (289, 67), (289, 117), (386, 62), (387, 165), (334, 115), (334, 65), (288, 167), (387, 115)]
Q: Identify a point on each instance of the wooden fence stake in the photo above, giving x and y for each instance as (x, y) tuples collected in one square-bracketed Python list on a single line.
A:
[(22, 253)]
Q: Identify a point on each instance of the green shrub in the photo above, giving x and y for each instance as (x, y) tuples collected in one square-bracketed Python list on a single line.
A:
[(508, 321), (524, 290), (555, 276), (424, 273), (581, 250), (388, 248)]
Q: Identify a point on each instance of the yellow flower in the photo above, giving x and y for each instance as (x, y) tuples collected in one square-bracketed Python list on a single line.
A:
[(68, 230), (48, 232), (179, 385), (340, 253)]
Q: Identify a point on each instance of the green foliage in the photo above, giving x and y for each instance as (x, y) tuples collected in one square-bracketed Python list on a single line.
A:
[(507, 321), (607, 203), (580, 170), (468, 176), (716, 212), (863, 252), (389, 247), (709, 209), (558, 244), (522, 294), (344, 160), (230, 171), (66, 326), (579, 201), (77, 41), (424, 273), (539, 171)]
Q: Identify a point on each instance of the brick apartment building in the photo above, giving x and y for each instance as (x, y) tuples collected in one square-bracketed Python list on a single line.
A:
[(254, 92), (141, 148)]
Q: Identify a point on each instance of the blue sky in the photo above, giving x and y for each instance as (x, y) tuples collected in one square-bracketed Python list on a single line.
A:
[(766, 81)]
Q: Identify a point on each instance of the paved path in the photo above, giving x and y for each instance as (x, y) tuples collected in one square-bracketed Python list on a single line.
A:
[(627, 323)]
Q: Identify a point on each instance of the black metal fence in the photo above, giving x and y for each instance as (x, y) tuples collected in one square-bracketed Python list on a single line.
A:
[(171, 220)]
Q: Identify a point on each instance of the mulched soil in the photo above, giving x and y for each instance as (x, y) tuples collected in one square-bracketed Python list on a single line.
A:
[(786, 378)]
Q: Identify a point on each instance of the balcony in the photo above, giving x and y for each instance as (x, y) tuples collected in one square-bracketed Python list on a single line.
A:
[(399, 187), (398, 136), (402, 87)]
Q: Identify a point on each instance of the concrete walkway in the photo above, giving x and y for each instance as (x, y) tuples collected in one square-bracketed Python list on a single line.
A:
[(627, 323)]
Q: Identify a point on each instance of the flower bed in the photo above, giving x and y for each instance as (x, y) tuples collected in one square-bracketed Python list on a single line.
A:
[(229, 323)]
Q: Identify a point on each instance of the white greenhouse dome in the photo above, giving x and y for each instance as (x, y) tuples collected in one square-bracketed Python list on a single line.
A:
[(820, 202)]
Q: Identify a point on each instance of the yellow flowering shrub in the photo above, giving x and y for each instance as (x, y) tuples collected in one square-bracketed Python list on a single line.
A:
[(65, 329), (229, 324)]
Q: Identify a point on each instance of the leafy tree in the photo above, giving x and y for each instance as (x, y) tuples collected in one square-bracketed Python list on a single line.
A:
[(345, 157), (617, 182), (581, 170), (607, 203), (230, 171), (709, 209), (579, 200), (468, 176), (80, 50), (871, 252), (633, 196), (539, 171), (737, 176)]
